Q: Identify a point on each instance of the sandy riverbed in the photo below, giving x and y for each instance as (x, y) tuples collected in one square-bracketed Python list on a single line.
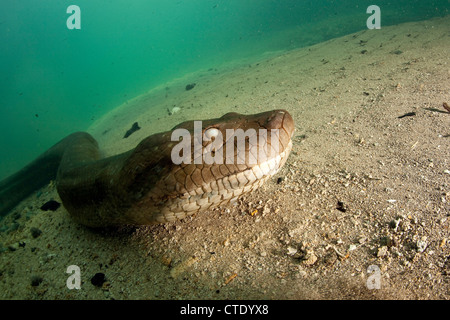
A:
[(362, 186)]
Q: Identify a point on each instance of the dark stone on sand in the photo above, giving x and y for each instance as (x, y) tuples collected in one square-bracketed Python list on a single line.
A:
[(98, 279), (409, 114), (36, 280), (134, 127), (51, 205), (13, 227), (35, 232), (341, 206), (190, 86)]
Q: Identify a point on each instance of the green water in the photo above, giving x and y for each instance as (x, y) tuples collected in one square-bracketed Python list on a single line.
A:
[(54, 81)]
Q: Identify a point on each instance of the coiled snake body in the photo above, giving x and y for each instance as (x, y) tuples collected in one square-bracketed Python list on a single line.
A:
[(144, 185)]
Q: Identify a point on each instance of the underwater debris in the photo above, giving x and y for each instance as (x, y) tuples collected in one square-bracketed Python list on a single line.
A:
[(397, 52), (134, 127), (409, 114), (230, 278), (446, 107), (190, 86), (36, 280), (35, 232), (341, 206), (51, 205), (309, 258), (182, 267), (98, 279), (173, 111)]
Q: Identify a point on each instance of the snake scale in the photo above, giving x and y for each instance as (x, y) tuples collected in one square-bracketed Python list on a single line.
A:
[(144, 186)]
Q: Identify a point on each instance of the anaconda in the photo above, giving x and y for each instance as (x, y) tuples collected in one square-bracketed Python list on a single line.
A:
[(144, 185)]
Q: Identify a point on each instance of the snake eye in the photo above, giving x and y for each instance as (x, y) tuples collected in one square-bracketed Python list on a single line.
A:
[(211, 133), (212, 136)]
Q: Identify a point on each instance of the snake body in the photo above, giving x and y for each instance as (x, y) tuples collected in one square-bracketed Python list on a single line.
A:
[(144, 186)]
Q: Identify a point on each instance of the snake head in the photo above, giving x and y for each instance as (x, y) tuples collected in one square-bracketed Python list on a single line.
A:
[(202, 164)]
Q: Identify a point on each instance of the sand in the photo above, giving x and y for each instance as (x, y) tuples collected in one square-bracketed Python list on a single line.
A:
[(361, 188)]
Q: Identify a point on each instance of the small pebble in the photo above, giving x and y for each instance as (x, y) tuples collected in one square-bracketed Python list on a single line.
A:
[(51, 205), (36, 280), (394, 224), (341, 206), (35, 232), (421, 246), (14, 246), (13, 227), (310, 258), (175, 110), (382, 251), (362, 240), (98, 279), (190, 86), (291, 251)]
